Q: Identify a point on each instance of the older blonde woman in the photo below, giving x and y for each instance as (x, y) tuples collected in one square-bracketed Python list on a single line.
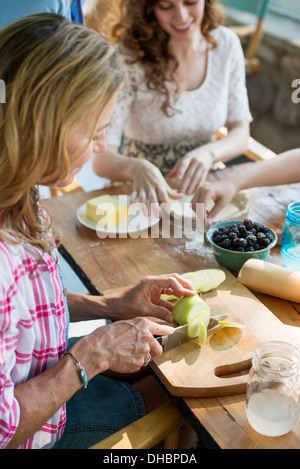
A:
[(186, 79), (61, 81)]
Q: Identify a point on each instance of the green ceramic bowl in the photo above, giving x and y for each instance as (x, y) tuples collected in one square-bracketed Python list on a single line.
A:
[(234, 260)]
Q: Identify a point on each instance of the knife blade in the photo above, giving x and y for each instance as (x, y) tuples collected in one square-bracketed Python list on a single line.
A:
[(180, 336)]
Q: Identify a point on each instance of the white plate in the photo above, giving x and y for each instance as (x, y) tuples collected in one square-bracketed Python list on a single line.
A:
[(136, 222)]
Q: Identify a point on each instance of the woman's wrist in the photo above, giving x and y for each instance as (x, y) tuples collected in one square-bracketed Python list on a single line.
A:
[(115, 306), (209, 149), (130, 167), (87, 307), (236, 183), (136, 166), (92, 353)]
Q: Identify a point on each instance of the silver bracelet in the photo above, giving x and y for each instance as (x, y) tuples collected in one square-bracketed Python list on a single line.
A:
[(82, 371)]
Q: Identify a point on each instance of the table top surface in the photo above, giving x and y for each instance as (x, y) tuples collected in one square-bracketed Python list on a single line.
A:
[(110, 263)]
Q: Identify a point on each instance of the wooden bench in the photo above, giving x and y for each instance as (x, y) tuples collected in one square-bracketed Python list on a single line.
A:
[(162, 424)]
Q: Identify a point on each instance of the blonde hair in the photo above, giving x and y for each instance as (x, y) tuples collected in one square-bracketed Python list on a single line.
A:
[(56, 73)]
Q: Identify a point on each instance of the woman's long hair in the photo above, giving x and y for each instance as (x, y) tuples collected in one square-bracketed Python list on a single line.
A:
[(55, 74), (139, 32)]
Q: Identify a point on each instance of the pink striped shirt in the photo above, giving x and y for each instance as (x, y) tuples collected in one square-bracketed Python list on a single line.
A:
[(32, 334)]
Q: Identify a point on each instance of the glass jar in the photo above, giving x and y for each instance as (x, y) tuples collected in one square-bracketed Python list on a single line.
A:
[(272, 400), (290, 244)]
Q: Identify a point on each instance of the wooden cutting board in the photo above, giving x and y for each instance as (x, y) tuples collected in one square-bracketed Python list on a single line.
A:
[(190, 370)]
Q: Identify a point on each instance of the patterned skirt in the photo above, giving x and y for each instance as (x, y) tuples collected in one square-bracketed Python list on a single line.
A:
[(164, 157)]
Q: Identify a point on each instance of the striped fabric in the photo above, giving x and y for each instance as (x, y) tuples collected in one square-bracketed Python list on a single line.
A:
[(32, 334)]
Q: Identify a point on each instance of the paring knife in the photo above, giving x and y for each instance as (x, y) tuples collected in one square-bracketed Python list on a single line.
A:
[(180, 336)]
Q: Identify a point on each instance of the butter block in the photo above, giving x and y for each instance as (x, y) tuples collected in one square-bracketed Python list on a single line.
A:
[(107, 210)]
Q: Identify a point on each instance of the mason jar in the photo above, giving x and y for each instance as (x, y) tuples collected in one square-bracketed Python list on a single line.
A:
[(272, 399), (290, 244)]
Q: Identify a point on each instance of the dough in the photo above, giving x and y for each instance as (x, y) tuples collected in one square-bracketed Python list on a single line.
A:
[(181, 208)]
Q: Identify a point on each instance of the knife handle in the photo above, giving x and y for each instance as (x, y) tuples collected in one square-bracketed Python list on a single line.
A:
[(161, 339)]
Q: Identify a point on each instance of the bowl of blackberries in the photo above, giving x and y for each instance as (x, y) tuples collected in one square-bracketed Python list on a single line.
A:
[(234, 242)]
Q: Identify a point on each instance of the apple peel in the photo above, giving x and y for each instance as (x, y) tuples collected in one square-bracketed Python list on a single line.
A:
[(231, 324), (165, 297)]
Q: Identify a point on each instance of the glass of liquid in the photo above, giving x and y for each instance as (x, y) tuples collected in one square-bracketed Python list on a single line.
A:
[(272, 401), (290, 243)]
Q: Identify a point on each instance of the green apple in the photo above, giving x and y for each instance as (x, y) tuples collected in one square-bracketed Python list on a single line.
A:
[(191, 277), (188, 307), (197, 328), (183, 307), (202, 281), (210, 278), (194, 279), (202, 333)]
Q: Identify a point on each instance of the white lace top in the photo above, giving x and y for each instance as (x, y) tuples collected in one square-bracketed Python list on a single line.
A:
[(222, 98)]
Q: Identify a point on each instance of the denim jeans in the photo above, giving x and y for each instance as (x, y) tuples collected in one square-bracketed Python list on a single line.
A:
[(103, 408)]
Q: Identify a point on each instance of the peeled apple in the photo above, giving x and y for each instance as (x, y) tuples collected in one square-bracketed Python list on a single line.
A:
[(194, 279), (197, 328), (193, 311), (210, 278), (187, 307)]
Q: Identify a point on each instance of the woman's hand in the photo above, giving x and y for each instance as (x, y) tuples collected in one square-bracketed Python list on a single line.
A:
[(144, 297), (150, 187), (125, 346), (220, 192), (192, 169)]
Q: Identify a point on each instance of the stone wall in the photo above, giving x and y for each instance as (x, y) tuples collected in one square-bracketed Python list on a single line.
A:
[(276, 118)]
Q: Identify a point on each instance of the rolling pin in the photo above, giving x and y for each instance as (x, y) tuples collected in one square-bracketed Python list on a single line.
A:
[(271, 279)]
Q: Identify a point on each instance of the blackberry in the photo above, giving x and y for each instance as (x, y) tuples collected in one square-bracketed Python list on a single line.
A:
[(242, 230), (242, 242), (265, 242), (251, 239), (246, 236), (225, 243), (248, 224), (217, 233), (260, 236), (235, 242)]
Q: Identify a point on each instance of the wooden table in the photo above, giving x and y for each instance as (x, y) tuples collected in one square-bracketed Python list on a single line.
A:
[(106, 264)]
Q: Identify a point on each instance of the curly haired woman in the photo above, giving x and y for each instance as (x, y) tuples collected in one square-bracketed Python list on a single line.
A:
[(186, 79)]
